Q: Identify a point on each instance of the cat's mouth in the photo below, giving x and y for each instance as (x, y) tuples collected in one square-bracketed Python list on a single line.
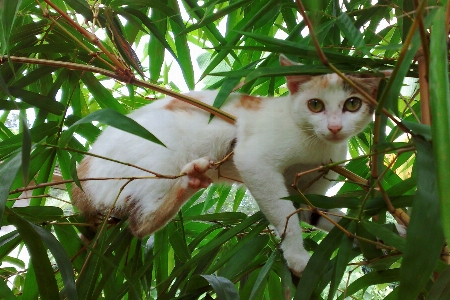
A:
[(335, 138)]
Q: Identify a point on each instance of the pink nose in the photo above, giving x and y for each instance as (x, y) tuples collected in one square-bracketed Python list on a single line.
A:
[(334, 128)]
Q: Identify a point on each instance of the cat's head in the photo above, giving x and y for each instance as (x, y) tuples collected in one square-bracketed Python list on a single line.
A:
[(327, 107)]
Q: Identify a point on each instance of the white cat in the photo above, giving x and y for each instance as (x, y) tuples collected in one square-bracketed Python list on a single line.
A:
[(272, 139)]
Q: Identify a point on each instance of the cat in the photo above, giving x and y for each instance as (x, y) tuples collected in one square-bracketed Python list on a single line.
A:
[(273, 138)]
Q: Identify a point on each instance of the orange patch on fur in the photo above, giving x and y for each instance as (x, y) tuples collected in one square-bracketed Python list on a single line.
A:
[(176, 104), (79, 198), (142, 226), (249, 102), (323, 82)]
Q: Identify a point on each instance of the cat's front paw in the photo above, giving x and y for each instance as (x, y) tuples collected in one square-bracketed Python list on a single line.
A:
[(196, 170), (297, 262)]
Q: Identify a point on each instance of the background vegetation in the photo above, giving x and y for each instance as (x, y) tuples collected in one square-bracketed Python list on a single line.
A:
[(70, 67)]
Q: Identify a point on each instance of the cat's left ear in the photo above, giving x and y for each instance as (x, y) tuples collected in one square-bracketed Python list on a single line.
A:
[(370, 84), (293, 82)]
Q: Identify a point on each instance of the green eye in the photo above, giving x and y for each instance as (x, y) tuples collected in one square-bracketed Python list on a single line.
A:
[(352, 104), (316, 106)]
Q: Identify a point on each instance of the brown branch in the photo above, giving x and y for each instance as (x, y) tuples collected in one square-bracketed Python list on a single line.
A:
[(401, 217), (74, 66)]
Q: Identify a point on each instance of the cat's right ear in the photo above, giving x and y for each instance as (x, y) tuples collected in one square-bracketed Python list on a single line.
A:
[(293, 82)]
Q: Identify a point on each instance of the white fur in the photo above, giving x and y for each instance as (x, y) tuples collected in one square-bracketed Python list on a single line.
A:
[(281, 137)]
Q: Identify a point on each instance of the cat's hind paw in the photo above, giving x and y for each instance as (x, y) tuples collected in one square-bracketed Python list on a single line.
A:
[(196, 170)]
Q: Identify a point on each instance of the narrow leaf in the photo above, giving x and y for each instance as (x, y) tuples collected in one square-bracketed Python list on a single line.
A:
[(441, 288), (423, 247), (62, 260), (47, 285), (8, 171), (38, 100), (114, 119), (260, 283), (223, 287), (440, 111)]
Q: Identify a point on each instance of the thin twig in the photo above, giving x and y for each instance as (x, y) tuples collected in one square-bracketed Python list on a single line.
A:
[(119, 67), (47, 184)]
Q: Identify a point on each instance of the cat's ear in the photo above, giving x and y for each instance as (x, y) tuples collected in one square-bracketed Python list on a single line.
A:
[(293, 82), (370, 84)]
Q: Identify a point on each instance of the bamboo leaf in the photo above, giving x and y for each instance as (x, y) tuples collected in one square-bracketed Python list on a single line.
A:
[(48, 288), (440, 111), (260, 283), (352, 33), (7, 17), (62, 260), (422, 247), (103, 97), (8, 171), (342, 259), (114, 119), (318, 262), (371, 278), (37, 100), (223, 287), (210, 18), (441, 288), (5, 292)]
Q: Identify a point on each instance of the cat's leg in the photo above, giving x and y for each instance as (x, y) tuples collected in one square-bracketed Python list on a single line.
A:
[(267, 187), (168, 197), (317, 186)]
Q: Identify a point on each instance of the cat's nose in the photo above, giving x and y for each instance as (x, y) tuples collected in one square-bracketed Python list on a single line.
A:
[(334, 128)]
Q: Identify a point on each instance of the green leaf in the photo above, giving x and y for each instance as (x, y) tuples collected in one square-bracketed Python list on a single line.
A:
[(423, 247), (8, 242), (8, 171), (352, 33), (387, 236), (5, 292), (243, 256), (114, 119), (37, 100), (26, 149), (48, 288), (181, 44), (223, 287), (318, 262), (7, 17), (342, 259), (233, 217), (39, 214), (261, 283), (440, 111), (441, 288), (371, 278), (103, 97), (62, 260)]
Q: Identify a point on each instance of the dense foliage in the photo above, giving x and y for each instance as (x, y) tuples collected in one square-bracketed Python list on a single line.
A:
[(70, 67)]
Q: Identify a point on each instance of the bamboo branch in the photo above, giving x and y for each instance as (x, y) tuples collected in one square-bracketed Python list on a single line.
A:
[(119, 67), (79, 67)]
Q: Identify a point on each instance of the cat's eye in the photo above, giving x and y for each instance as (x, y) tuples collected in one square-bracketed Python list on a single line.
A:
[(316, 106), (352, 104)]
